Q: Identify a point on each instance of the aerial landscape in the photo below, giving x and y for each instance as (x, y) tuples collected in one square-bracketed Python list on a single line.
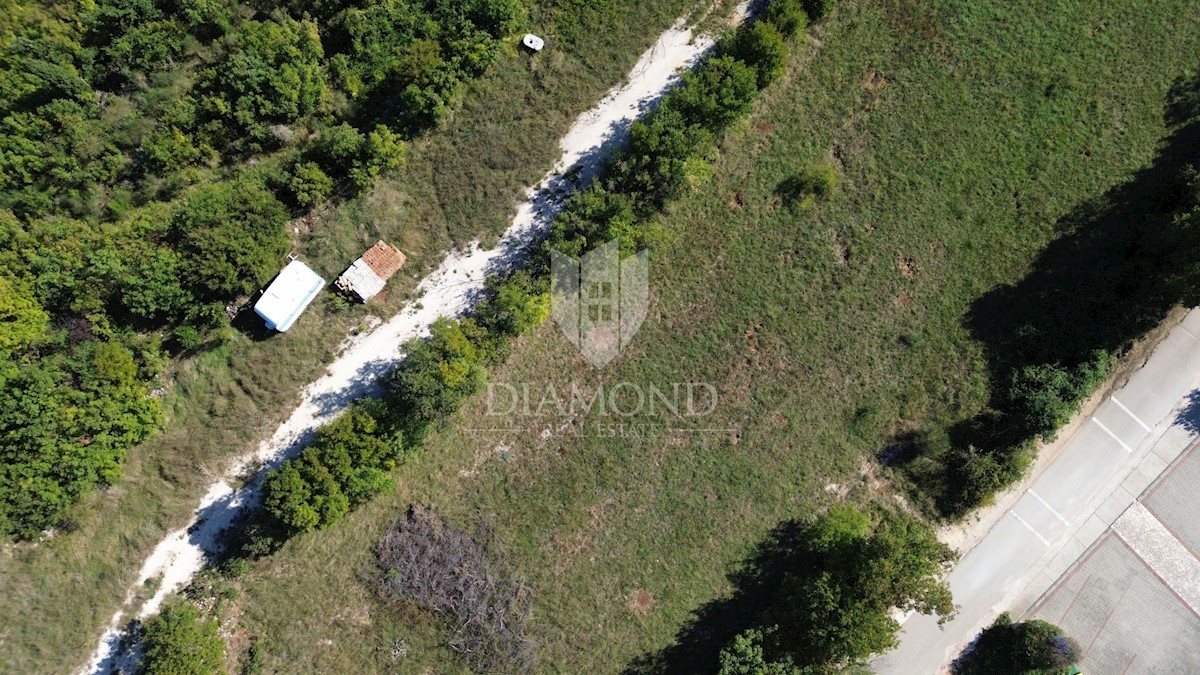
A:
[(772, 337)]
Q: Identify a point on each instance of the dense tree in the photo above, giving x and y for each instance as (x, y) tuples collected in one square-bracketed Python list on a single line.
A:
[(22, 320), (232, 236), (837, 610), (272, 73)]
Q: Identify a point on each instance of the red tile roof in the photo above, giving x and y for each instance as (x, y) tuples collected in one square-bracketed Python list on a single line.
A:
[(383, 259)]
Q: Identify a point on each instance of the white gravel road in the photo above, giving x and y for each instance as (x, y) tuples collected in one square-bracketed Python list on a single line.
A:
[(448, 291)]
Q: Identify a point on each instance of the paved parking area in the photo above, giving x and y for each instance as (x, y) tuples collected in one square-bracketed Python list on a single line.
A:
[(1176, 501), (1123, 616), (1133, 600), (1124, 479)]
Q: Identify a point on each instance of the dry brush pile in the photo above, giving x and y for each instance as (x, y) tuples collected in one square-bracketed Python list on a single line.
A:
[(454, 574)]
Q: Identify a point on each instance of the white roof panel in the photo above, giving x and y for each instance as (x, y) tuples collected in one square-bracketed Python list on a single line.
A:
[(288, 295)]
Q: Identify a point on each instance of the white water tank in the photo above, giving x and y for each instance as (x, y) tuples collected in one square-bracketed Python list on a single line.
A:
[(533, 42)]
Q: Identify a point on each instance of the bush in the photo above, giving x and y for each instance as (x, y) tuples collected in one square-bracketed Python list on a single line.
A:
[(660, 160), (437, 374), (1044, 397), (745, 656), (349, 462), (762, 47), (593, 217), (232, 239), (716, 94), (178, 642), (836, 609), (516, 305), (816, 181), (818, 9), (346, 154), (309, 185), (788, 16), (1033, 647)]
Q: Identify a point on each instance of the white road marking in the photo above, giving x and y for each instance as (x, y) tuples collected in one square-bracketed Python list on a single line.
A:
[(1048, 507), (1030, 528), (1188, 333), (1151, 541), (1114, 436), (1130, 413)]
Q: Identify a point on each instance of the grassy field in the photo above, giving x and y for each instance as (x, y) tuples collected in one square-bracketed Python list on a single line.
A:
[(974, 138), (460, 182)]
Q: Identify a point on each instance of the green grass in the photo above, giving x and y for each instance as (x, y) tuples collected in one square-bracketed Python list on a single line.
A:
[(968, 134), (459, 183)]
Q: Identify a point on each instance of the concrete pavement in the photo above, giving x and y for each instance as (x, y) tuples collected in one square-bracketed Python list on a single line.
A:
[(1133, 436)]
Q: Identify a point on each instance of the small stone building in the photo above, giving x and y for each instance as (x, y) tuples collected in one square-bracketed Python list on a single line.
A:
[(368, 275)]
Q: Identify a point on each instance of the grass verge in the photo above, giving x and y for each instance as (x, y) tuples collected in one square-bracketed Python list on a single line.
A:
[(969, 136), (460, 182)]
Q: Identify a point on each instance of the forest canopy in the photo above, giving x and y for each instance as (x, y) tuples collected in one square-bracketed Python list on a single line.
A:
[(151, 154)]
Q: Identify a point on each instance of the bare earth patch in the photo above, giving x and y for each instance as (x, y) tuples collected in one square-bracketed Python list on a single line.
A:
[(641, 602)]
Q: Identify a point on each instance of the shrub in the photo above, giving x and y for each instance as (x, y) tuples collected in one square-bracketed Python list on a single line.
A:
[(788, 16), (1043, 397), (816, 181), (716, 94), (346, 154), (1033, 647), (818, 9), (836, 609), (762, 47), (349, 462), (660, 156), (437, 374), (978, 474), (178, 642), (744, 656), (232, 239), (593, 217), (516, 304), (309, 185)]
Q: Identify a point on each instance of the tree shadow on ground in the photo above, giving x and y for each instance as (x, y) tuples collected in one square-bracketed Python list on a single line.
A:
[(699, 642), (1113, 274)]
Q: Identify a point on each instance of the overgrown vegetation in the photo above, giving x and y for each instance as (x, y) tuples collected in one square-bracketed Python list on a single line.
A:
[(668, 152), (128, 206), (830, 332), (427, 563), (457, 183), (1033, 647)]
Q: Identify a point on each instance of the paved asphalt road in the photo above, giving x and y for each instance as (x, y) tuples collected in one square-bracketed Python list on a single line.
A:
[(1112, 459)]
